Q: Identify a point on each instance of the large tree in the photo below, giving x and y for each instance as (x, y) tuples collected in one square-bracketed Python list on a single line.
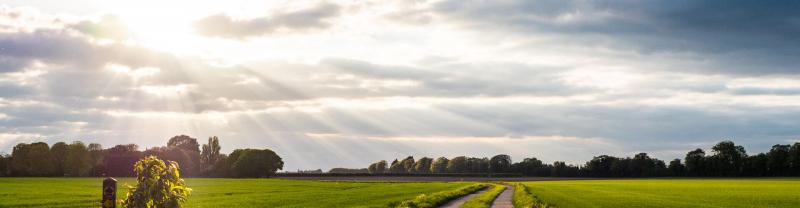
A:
[(728, 158), (696, 162), (794, 158), (778, 160), (423, 165), (186, 151), (500, 164), (676, 168), (209, 155), (4, 160), (457, 165), (78, 161), (32, 160), (59, 154), (439, 165), (255, 163)]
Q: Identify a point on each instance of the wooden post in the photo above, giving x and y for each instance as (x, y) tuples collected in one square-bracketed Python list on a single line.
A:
[(109, 193)]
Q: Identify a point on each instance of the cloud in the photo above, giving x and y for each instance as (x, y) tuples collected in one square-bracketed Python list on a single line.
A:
[(221, 25), (740, 37)]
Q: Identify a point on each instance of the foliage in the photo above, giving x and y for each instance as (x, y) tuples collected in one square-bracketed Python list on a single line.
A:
[(158, 185), (254, 163), (457, 165), (524, 199), (78, 160), (439, 165), (423, 165), (210, 155), (500, 164), (32, 159), (439, 198), (4, 160), (58, 152), (485, 199)]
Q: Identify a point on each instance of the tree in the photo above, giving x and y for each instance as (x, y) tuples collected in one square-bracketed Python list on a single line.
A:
[(794, 159), (32, 159), (186, 151), (408, 164), (600, 166), (500, 164), (118, 160), (209, 155), (378, 167), (158, 185), (778, 160), (59, 153), (396, 167), (423, 165), (184, 142), (695, 162), (728, 158), (4, 160), (78, 160), (255, 163), (756, 165), (676, 168), (457, 165), (96, 154), (531, 167), (381, 166), (439, 165)]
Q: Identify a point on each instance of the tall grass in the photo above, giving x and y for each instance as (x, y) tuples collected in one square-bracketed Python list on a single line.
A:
[(439, 198), (524, 199), (485, 199)]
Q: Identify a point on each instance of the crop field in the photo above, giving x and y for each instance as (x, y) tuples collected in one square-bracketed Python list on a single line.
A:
[(85, 192), (773, 193)]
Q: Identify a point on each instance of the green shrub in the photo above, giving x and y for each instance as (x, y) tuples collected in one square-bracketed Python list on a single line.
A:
[(439, 198), (158, 185), (485, 200), (524, 199)]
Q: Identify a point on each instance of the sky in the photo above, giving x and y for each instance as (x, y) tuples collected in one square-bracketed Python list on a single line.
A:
[(346, 83)]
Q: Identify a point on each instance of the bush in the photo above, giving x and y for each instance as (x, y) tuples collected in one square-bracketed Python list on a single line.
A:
[(439, 198), (485, 200), (158, 185), (524, 199)]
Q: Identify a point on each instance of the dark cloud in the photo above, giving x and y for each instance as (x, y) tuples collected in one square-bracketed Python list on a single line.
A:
[(742, 37), (222, 25)]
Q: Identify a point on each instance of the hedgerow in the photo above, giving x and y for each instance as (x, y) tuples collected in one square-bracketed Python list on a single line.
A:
[(485, 199), (438, 198), (524, 199)]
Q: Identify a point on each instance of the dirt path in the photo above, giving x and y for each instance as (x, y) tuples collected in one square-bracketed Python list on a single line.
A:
[(458, 202), (504, 199)]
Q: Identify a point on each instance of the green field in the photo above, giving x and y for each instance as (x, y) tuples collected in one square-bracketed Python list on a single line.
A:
[(775, 193), (85, 192)]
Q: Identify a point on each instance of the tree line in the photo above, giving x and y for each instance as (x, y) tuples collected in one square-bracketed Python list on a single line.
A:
[(78, 159), (726, 159)]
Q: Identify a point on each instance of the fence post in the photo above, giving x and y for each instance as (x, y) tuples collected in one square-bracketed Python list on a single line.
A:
[(109, 193)]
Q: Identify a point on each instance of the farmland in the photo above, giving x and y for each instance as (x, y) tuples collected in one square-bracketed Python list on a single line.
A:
[(85, 192), (669, 193)]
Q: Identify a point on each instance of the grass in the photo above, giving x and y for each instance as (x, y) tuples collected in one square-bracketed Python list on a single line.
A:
[(240, 193), (524, 199), (485, 199), (439, 198), (729, 193)]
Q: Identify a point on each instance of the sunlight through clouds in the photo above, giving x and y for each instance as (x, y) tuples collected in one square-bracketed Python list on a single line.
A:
[(351, 81)]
